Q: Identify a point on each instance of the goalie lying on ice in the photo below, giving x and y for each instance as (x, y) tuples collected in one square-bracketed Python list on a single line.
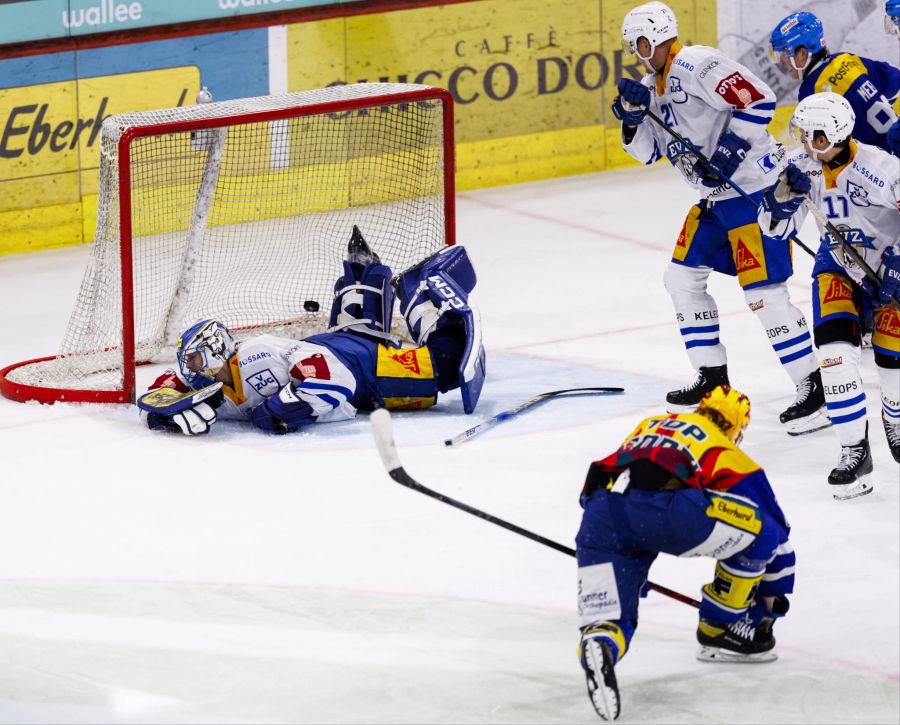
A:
[(680, 485), (282, 384)]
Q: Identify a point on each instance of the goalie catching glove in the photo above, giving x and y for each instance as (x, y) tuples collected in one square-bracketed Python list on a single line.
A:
[(191, 413)]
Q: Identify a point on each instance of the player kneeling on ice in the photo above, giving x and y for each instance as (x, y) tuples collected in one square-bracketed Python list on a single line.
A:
[(858, 187), (281, 384), (680, 485)]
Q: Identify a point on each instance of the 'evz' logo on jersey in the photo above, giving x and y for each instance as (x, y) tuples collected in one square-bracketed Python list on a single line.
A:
[(264, 383), (856, 238), (858, 195), (676, 93)]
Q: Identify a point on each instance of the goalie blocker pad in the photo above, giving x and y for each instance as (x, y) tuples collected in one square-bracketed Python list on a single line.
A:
[(363, 301), (169, 401), (434, 294)]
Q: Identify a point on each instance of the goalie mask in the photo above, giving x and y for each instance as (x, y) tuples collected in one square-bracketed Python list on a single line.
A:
[(203, 350), (727, 408)]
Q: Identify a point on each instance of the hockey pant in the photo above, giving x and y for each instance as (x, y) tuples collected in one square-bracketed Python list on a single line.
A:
[(621, 535), (837, 308), (698, 321)]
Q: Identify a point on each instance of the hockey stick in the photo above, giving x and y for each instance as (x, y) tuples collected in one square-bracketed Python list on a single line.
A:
[(521, 407), (847, 248), (382, 430), (694, 150)]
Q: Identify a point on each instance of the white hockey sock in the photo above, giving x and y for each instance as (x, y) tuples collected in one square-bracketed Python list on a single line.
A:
[(844, 395), (890, 394), (697, 313), (785, 327)]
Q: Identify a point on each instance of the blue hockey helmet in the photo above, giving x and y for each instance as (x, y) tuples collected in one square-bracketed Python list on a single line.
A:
[(202, 351), (892, 17), (798, 30)]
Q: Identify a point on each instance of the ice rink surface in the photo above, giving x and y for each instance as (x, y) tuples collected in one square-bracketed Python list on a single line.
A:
[(241, 577)]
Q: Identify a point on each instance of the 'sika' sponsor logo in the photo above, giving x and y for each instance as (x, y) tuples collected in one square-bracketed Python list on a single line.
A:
[(837, 291), (105, 12), (744, 258), (889, 324), (408, 359)]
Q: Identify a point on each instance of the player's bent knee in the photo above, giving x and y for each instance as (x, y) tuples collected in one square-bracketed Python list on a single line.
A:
[(768, 298), (841, 330), (680, 279)]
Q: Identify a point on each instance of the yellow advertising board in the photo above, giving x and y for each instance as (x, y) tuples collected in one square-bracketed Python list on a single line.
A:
[(532, 80), (50, 150)]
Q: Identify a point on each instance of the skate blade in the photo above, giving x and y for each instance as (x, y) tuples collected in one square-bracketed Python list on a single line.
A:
[(672, 408), (861, 487), (717, 654), (604, 699), (810, 424)]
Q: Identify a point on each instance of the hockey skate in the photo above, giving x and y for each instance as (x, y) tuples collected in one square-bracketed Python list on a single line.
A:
[(740, 641), (892, 433), (852, 477), (359, 251), (688, 397), (600, 673), (808, 412)]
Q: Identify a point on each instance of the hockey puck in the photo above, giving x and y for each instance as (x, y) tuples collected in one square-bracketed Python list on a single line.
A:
[(311, 306)]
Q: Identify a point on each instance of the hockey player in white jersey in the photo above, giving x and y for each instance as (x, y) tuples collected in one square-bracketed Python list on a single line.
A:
[(858, 187), (723, 110), (282, 384)]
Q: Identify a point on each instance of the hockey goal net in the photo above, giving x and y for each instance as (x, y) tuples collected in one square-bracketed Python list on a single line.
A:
[(241, 211)]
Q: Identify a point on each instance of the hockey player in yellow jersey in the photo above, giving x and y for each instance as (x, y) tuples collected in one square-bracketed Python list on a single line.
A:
[(680, 485), (857, 186)]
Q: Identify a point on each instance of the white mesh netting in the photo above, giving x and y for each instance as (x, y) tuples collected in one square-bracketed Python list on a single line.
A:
[(248, 223)]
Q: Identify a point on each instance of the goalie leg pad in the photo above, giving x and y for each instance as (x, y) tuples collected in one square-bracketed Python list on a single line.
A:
[(435, 292), (363, 301)]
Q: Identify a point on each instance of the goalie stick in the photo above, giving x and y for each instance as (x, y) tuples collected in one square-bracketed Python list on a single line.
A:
[(522, 407), (382, 430), (847, 248), (694, 150)]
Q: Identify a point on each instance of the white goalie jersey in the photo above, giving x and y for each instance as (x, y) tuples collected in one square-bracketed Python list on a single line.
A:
[(861, 199), (700, 94), (264, 364)]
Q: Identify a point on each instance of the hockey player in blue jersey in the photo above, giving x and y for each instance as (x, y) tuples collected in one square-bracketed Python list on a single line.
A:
[(723, 110), (680, 485), (281, 384), (871, 86)]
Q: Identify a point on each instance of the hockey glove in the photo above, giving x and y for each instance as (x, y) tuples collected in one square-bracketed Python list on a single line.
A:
[(784, 199), (890, 282), (282, 413), (630, 106), (893, 138), (191, 421), (729, 153)]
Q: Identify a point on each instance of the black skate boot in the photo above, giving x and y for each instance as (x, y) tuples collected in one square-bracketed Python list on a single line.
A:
[(600, 673), (892, 432), (359, 251), (852, 476), (808, 412), (690, 396), (740, 641)]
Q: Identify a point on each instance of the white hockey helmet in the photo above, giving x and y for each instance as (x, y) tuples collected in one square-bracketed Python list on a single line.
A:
[(829, 113), (654, 21)]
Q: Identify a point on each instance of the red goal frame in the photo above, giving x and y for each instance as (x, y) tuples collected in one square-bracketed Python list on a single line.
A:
[(21, 392)]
